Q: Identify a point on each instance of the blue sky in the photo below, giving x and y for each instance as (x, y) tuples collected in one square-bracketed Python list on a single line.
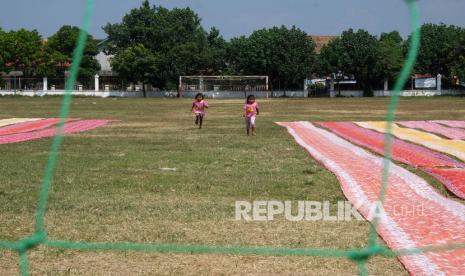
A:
[(240, 17)]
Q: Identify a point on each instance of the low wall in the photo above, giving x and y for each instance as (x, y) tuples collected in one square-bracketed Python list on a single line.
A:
[(106, 94), (349, 93), (230, 94), (162, 94), (405, 93), (290, 94), (421, 93)]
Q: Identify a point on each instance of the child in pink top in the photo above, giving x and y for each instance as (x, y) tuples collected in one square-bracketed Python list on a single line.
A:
[(198, 108), (251, 111)]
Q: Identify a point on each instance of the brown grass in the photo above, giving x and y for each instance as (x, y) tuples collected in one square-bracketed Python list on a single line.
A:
[(109, 186)]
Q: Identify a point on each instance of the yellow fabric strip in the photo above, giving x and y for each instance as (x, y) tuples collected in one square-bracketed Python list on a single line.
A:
[(6, 122), (434, 142)]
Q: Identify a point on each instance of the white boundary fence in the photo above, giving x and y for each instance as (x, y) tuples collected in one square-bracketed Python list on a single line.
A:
[(226, 94)]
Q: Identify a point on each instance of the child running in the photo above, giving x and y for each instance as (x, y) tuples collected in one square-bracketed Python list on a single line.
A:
[(198, 108), (251, 111)]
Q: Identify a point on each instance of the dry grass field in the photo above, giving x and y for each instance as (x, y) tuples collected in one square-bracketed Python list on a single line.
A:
[(109, 185)]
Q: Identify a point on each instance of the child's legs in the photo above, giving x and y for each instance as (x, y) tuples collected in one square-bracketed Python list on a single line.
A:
[(201, 119), (252, 123), (248, 124)]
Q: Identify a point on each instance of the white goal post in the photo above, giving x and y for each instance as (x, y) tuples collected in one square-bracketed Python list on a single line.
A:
[(223, 83)]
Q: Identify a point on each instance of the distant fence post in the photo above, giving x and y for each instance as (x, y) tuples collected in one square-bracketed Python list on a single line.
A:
[(439, 82), (180, 87), (331, 89), (45, 84), (97, 83)]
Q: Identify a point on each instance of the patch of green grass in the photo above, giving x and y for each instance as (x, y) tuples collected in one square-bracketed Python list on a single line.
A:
[(109, 185)]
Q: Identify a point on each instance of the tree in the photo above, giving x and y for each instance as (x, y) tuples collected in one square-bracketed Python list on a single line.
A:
[(64, 41), (437, 42), (215, 55), (354, 53), (390, 55), (2, 51), (26, 51), (285, 55), (51, 64), (135, 64), (239, 52), (2, 57), (457, 59), (329, 60), (156, 28), (175, 37), (21, 51)]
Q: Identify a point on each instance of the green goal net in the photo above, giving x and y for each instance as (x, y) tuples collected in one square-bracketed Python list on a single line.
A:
[(357, 255)]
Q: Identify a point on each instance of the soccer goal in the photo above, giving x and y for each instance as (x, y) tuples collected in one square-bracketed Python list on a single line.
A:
[(223, 84)]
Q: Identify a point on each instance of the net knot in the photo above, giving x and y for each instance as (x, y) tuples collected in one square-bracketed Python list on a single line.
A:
[(365, 253), (32, 241)]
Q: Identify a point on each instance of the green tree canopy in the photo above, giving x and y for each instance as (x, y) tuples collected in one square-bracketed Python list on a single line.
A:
[(51, 63), (457, 58), (285, 55), (135, 64), (215, 56), (157, 28), (26, 51), (354, 53), (21, 51), (64, 42), (2, 51), (390, 55), (175, 37), (329, 60), (238, 54), (437, 41)]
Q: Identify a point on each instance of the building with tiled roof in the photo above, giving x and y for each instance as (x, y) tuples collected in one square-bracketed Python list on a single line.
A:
[(322, 40)]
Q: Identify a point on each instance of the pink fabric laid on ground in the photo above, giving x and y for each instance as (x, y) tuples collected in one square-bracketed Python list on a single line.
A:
[(453, 179), (439, 222), (70, 128), (460, 124), (432, 127), (405, 152), (410, 154), (28, 126)]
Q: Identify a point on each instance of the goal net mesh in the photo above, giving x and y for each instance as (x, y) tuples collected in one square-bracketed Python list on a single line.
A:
[(235, 83), (223, 83)]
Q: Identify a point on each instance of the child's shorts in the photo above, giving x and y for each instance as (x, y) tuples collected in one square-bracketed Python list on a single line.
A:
[(200, 114), (250, 121)]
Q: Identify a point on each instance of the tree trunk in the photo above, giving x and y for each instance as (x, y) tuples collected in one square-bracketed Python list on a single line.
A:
[(143, 90), (367, 88)]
